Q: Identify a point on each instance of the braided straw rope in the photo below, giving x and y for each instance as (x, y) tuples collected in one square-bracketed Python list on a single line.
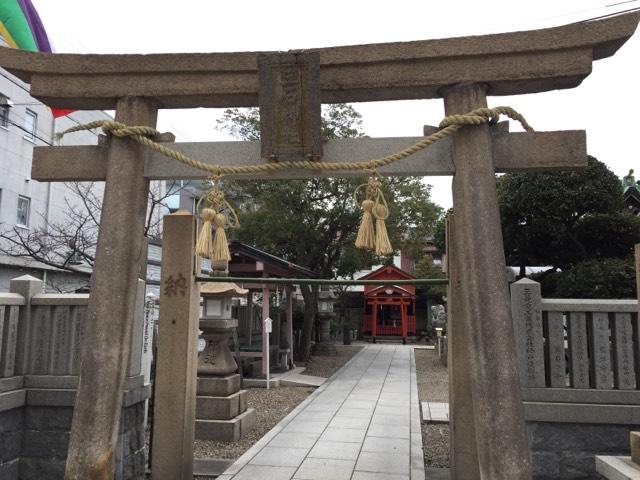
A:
[(447, 126)]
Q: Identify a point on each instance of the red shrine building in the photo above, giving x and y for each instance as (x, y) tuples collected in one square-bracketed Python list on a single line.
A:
[(389, 309)]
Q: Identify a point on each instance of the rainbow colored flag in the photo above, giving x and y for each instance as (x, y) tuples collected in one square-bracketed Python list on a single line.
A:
[(21, 27)]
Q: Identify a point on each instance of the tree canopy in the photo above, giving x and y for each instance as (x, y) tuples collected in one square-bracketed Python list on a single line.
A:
[(562, 220), (314, 222)]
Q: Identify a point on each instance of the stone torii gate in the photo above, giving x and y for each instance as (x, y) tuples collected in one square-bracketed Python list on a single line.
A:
[(488, 431)]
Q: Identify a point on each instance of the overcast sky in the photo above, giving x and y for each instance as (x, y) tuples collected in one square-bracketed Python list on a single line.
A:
[(604, 105)]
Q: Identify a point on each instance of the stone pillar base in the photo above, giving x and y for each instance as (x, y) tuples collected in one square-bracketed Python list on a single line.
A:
[(325, 350), (226, 430), (221, 409)]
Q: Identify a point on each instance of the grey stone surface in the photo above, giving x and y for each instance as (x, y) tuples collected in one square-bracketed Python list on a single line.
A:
[(11, 383), (322, 468), (578, 351), (263, 472), (280, 457), (555, 350), (40, 468), (218, 408), (497, 405), (218, 386), (588, 305), (527, 324), (579, 395), (617, 468), (225, 430), (383, 463), (12, 400), (210, 466), (568, 450), (332, 452), (10, 470), (600, 351), (582, 413), (624, 371)]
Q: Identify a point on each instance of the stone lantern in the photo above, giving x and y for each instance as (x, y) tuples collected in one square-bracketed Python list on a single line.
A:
[(221, 406)]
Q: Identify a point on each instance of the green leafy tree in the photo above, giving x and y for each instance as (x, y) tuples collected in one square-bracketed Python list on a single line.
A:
[(567, 221), (313, 222)]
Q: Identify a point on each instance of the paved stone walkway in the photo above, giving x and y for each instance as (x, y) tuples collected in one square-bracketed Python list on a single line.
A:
[(362, 424)]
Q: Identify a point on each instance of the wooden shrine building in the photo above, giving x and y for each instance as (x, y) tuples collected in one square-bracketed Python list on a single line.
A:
[(389, 309), (247, 261)]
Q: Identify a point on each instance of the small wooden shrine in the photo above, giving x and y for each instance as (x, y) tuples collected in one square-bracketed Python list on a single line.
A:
[(389, 309)]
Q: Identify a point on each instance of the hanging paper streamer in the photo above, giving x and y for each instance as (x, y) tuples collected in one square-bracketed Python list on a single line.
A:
[(216, 212), (373, 206), (21, 27)]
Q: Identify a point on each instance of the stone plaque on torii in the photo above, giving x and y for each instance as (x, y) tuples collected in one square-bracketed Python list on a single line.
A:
[(488, 431)]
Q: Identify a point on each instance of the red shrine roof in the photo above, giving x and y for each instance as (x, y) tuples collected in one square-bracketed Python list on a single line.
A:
[(389, 272)]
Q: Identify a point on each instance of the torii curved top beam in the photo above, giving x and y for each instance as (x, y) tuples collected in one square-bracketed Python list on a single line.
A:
[(509, 63)]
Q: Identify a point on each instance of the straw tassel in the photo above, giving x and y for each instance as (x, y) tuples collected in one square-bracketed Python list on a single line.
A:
[(204, 246), (383, 245), (220, 250), (366, 233)]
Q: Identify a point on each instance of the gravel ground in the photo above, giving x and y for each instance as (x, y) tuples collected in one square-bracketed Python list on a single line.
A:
[(326, 366), (271, 406), (433, 386)]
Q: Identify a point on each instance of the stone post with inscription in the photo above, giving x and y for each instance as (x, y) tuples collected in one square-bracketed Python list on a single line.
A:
[(177, 357), (526, 310)]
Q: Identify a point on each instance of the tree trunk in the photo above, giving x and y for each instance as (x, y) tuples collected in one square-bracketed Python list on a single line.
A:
[(310, 296)]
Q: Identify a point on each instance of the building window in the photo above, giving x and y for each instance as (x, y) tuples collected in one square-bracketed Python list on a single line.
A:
[(5, 106), (24, 205), (30, 125)]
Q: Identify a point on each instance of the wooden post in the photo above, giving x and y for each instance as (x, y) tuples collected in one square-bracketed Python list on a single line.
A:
[(462, 436), (374, 320), (177, 362), (500, 429), (405, 319), (290, 323), (249, 325), (265, 314), (109, 321)]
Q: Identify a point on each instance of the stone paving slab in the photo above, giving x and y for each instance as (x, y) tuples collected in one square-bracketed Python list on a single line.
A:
[(435, 412), (363, 423)]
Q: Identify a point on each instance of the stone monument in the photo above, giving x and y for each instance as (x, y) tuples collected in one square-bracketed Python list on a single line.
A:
[(221, 406)]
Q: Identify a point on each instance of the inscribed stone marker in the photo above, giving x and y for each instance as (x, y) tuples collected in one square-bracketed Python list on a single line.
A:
[(526, 310), (579, 355), (61, 340), (625, 376), (600, 350), (290, 106), (556, 372)]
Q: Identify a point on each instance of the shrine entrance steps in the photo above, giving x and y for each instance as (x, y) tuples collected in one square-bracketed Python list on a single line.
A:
[(361, 424)]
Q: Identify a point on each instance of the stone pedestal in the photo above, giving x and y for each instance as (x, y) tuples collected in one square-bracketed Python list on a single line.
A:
[(325, 347), (221, 407)]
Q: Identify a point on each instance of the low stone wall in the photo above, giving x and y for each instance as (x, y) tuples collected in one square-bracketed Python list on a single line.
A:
[(34, 437), (568, 450)]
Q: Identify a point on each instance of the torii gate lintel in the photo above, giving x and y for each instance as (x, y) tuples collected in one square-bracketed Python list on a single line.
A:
[(459, 70)]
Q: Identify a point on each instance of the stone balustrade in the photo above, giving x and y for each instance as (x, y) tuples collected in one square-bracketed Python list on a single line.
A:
[(579, 366), (40, 340)]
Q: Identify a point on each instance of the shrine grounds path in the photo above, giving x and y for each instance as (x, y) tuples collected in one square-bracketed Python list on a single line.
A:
[(361, 424)]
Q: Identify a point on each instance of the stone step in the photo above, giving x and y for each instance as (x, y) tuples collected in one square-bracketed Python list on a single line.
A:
[(219, 386), (221, 408), (435, 412), (226, 430)]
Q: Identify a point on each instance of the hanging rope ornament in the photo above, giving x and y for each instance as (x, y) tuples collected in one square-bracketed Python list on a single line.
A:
[(214, 206), (373, 206)]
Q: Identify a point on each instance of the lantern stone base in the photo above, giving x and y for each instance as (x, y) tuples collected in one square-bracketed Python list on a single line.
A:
[(221, 409), (325, 350), (219, 386), (226, 430)]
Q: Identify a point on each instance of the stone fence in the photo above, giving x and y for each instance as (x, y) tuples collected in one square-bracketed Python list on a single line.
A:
[(40, 343), (579, 365)]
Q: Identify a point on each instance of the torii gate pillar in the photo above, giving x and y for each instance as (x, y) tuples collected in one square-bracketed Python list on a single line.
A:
[(500, 431), (109, 321)]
